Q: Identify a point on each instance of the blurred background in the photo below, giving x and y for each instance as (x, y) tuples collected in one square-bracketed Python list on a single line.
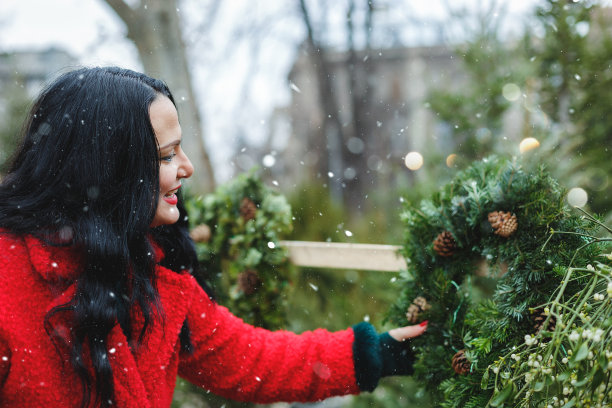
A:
[(348, 107)]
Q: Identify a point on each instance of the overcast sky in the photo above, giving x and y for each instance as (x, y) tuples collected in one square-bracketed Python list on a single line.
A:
[(90, 31)]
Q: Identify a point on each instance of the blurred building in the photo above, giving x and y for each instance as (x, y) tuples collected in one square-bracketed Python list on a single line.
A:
[(22, 76), (31, 68), (396, 114)]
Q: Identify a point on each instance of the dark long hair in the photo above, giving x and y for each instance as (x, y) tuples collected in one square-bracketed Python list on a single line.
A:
[(87, 175)]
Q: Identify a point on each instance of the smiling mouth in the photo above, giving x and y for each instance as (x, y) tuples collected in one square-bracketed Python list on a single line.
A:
[(170, 197), (174, 190)]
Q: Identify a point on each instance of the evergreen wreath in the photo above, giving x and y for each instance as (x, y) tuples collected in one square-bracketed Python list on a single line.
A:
[(497, 212), (237, 230)]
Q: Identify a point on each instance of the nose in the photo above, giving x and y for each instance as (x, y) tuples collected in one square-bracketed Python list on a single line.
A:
[(185, 169)]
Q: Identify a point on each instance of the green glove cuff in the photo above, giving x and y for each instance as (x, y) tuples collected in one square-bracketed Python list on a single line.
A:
[(378, 356), (366, 354)]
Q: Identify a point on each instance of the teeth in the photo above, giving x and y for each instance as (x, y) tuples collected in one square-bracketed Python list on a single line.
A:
[(171, 193)]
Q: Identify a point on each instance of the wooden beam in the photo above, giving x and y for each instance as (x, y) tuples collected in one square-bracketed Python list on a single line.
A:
[(345, 256)]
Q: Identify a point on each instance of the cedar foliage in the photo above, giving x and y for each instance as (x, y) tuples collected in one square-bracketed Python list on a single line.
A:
[(489, 328), (241, 246)]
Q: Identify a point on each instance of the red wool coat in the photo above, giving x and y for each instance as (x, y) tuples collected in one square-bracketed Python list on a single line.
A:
[(231, 358)]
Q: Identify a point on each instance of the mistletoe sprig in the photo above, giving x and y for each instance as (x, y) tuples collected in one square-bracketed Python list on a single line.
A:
[(240, 226), (498, 213), (569, 363)]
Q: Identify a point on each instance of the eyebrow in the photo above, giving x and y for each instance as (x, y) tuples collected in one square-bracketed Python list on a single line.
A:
[(173, 143)]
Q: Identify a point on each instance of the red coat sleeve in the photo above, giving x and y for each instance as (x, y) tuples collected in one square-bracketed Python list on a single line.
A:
[(242, 362)]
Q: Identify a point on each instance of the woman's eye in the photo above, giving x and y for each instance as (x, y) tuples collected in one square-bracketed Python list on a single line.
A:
[(168, 158)]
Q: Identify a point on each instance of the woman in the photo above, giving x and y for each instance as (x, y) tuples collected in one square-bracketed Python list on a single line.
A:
[(97, 305)]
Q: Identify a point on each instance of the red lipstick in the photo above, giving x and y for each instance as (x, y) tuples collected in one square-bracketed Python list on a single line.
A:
[(172, 200)]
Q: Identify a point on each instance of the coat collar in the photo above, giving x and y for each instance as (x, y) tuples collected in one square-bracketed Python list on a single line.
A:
[(137, 373)]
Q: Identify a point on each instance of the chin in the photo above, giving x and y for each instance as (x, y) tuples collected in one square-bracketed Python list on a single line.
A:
[(168, 218)]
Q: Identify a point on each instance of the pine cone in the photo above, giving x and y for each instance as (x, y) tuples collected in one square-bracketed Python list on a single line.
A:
[(248, 281), (445, 244), (418, 305), (201, 233), (504, 223), (461, 364), (247, 209), (538, 319)]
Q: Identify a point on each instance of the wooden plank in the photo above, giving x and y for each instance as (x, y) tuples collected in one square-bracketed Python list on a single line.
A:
[(345, 255)]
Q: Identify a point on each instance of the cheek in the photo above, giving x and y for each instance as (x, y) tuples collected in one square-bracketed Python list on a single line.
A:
[(167, 177)]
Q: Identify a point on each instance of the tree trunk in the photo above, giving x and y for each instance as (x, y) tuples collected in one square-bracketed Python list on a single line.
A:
[(359, 70), (332, 127), (350, 164), (154, 26)]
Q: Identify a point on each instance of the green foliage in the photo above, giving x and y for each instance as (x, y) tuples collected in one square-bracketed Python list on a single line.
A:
[(569, 362), (474, 112), (572, 60), (490, 328), (317, 216), (393, 392), (560, 70), (239, 245), (17, 103), (560, 53)]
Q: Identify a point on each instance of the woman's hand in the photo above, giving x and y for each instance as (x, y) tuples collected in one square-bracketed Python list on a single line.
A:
[(408, 332), (396, 353)]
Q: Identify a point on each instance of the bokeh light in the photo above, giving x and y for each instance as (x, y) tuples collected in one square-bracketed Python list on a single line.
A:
[(268, 160), (511, 92), (350, 173), (577, 197), (414, 160), (355, 145), (529, 143)]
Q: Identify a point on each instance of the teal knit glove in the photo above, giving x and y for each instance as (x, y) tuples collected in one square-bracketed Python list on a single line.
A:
[(397, 356), (378, 356)]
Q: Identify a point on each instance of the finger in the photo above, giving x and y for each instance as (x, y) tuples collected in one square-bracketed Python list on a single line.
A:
[(408, 332)]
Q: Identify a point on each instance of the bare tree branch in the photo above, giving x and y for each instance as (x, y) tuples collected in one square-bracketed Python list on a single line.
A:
[(204, 26), (123, 10)]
